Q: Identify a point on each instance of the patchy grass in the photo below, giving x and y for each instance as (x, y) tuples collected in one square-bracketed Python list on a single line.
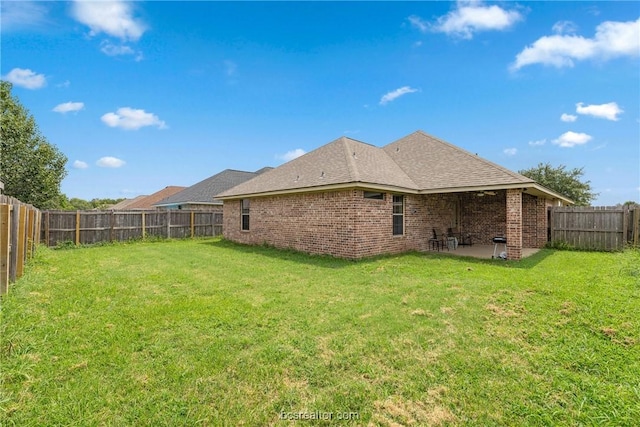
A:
[(206, 332)]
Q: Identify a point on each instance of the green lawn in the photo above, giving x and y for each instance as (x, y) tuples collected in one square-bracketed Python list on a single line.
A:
[(206, 332)]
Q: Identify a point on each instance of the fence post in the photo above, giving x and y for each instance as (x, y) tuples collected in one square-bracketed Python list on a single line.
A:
[(5, 241), (77, 227), (636, 227), (168, 223), (193, 214), (13, 253), (47, 240), (31, 219), (112, 224), (143, 225), (20, 249)]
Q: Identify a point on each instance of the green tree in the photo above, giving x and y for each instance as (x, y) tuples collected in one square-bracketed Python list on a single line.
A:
[(31, 168), (563, 181)]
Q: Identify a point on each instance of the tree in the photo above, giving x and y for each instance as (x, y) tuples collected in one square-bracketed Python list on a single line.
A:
[(563, 181), (31, 168)]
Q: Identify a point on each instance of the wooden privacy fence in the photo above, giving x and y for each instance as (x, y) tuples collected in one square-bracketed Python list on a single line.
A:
[(595, 228), (19, 235), (88, 227)]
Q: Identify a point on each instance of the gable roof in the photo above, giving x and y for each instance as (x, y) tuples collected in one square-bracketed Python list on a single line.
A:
[(434, 164), (417, 163), (344, 160), (203, 191), (147, 202), (122, 205)]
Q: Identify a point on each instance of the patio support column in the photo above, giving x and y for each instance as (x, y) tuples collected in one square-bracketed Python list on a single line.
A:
[(514, 224)]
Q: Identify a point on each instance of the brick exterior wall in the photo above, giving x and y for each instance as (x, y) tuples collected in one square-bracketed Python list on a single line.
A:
[(484, 217), (514, 224), (346, 225)]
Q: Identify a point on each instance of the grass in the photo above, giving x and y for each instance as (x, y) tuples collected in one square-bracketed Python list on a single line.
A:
[(206, 332)]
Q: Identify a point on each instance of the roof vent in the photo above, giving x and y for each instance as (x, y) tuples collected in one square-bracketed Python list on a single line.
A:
[(397, 149), (322, 174), (354, 155), (297, 178)]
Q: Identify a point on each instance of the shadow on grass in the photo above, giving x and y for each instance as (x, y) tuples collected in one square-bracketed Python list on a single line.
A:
[(327, 261)]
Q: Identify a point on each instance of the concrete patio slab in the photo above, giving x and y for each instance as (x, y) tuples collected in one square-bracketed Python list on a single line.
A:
[(483, 251)]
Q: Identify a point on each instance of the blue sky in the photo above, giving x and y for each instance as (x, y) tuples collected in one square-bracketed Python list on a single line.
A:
[(143, 95)]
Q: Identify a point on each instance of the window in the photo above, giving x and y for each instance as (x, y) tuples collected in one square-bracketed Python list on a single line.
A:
[(398, 215), (244, 206), (373, 195)]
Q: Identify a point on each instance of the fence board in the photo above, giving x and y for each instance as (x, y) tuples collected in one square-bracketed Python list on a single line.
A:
[(88, 227), (593, 228), (19, 235), (5, 241)]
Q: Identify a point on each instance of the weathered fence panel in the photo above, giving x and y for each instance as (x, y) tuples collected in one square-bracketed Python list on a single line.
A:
[(594, 228), (19, 235), (88, 227)]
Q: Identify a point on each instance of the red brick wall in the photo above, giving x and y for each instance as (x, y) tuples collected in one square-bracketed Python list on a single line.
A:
[(484, 217), (514, 224), (345, 224), (534, 221), (342, 223)]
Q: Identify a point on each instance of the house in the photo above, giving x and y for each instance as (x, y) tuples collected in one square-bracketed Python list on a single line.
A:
[(146, 203), (200, 195), (350, 199), (122, 205)]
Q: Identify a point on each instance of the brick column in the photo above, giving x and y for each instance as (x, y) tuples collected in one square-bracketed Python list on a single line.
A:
[(514, 224)]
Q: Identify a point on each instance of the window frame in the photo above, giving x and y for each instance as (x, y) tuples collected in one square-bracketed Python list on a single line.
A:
[(245, 212), (373, 195), (395, 215)]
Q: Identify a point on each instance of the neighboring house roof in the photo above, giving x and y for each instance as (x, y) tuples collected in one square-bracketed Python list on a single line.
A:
[(203, 191), (417, 163), (124, 203), (148, 202)]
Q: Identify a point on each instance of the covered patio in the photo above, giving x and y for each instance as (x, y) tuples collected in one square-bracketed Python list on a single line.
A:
[(482, 251)]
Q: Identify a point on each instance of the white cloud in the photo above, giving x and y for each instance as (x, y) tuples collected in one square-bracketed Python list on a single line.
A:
[(110, 162), (293, 154), (15, 15), (510, 151), (472, 16), (68, 107), (79, 164), (111, 49), (568, 117), (26, 78), (388, 97), (131, 119), (538, 142), (418, 23), (65, 84), (114, 18), (564, 27), (571, 139), (612, 39), (608, 111)]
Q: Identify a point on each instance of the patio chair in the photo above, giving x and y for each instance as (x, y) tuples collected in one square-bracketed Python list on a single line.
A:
[(437, 242)]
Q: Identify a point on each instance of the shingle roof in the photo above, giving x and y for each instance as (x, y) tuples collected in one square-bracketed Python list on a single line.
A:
[(203, 191), (434, 164), (344, 160), (121, 205), (147, 202), (417, 163)]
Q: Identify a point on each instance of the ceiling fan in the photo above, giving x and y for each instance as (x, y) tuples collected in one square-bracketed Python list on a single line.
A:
[(486, 193)]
